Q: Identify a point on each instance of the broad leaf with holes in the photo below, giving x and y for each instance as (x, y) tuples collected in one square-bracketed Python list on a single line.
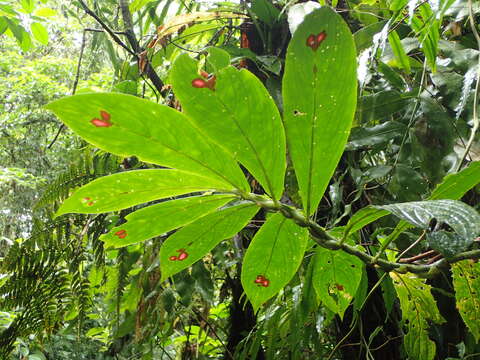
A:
[(236, 111), (466, 281), (320, 95), (126, 189), (459, 216), (158, 219), (272, 258), (418, 308), (126, 125), (336, 277), (192, 242)]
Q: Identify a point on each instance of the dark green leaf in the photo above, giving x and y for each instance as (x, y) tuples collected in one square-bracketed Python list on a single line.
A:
[(364, 137), (265, 11), (448, 243), (459, 216)]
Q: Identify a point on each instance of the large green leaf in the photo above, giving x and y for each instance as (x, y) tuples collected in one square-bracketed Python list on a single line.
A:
[(158, 219), (319, 93), (274, 255), (459, 216), (418, 307), (201, 236), (122, 190), (466, 281), (336, 277), (127, 125), (454, 186), (238, 113)]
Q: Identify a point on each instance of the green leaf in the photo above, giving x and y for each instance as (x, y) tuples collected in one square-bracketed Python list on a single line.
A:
[(265, 11), (447, 243), (28, 5), (39, 33), (459, 216), (454, 186), (158, 219), (239, 115), (126, 189), (362, 218), (275, 253), (399, 51), (466, 281), (3, 24), (138, 4), (201, 236), (380, 106), (45, 12), (154, 133), (218, 58), (418, 307), (319, 86), (336, 278)]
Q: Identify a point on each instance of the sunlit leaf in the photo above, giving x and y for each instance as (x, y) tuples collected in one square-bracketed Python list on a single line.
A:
[(194, 241), (234, 109), (336, 277), (319, 93), (272, 258), (126, 125), (158, 219), (126, 189), (39, 33), (466, 281)]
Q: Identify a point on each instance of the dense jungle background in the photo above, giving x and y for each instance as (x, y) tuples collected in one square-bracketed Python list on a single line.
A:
[(64, 294)]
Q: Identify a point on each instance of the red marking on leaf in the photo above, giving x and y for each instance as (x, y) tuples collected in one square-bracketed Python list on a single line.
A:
[(321, 37), (311, 40), (87, 198), (180, 250), (211, 83), (105, 115), (199, 83), (182, 256), (204, 74), (315, 41), (121, 234), (339, 287), (172, 258), (90, 203), (259, 279), (266, 283), (100, 123)]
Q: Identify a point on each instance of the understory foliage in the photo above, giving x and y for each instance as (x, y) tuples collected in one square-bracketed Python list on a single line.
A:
[(269, 180)]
